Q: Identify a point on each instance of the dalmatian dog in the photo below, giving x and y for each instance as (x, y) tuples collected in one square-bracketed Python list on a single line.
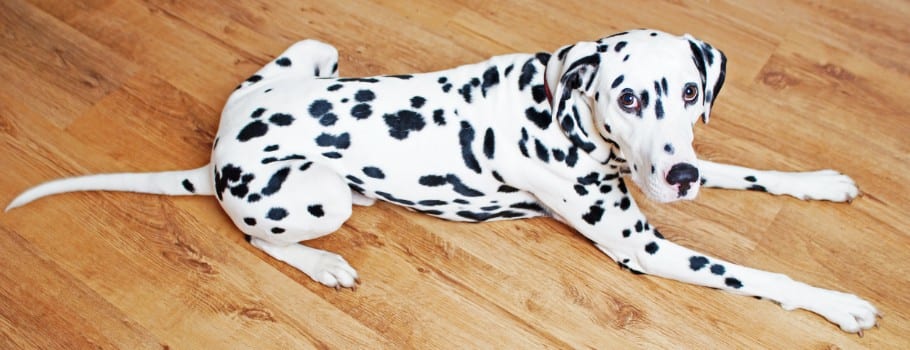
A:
[(516, 136)]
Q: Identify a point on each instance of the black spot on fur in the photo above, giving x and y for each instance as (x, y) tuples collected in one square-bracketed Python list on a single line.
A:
[(580, 190), (257, 113), (316, 210), (446, 87), (542, 152), (281, 119), (361, 111), (432, 202), (417, 101), (539, 93), (319, 108), (188, 186), (465, 92), (750, 178), (364, 96), (625, 203), (432, 180), (490, 79), (527, 74), (253, 198), (758, 188), (389, 197), (461, 188), (541, 119), (489, 143), (254, 78), (402, 123), (334, 87), (669, 149), (438, 117), (617, 81), (626, 233), (465, 138), (249, 221), (361, 80), (277, 230), (619, 46), (733, 283), (276, 181), (594, 214), (271, 148), (373, 172), (332, 155), (697, 262), (718, 269), (506, 189), (252, 130), (277, 214), (659, 109), (342, 141), (400, 76), (354, 179), (284, 62), (652, 248)]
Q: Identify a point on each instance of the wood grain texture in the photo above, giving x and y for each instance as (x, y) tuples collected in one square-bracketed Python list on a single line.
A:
[(137, 85)]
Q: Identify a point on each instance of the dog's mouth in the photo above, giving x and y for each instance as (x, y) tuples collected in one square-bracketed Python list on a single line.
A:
[(679, 181)]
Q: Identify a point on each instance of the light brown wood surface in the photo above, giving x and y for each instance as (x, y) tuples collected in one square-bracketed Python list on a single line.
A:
[(129, 85)]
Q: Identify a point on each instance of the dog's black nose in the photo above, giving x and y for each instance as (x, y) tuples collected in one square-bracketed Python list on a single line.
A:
[(682, 174)]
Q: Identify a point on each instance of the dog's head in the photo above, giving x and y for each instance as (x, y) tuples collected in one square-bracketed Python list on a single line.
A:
[(636, 96)]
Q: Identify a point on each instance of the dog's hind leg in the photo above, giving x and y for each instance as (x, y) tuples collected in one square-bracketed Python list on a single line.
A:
[(296, 201)]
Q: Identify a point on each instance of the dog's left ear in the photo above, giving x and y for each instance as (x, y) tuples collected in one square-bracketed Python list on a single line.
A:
[(572, 75), (712, 65)]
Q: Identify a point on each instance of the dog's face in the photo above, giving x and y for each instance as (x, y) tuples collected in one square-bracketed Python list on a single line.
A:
[(644, 91)]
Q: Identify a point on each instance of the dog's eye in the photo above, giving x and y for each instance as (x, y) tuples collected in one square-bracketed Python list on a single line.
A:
[(629, 102), (690, 93)]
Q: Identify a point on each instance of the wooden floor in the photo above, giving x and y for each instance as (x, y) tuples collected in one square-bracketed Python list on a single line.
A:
[(136, 85)]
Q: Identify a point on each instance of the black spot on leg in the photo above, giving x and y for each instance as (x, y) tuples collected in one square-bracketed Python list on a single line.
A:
[(276, 181), (758, 188), (277, 230), (249, 221), (750, 178), (718, 269), (316, 210), (188, 186), (697, 262), (652, 248), (733, 283)]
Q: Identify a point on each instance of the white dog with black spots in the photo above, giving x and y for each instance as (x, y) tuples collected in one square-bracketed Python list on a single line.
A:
[(515, 136)]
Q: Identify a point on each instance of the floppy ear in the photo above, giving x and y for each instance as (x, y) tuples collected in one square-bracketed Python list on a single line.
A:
[(712, 65), (572, 76)]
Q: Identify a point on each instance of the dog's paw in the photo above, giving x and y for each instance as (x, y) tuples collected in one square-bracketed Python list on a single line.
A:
[(826, 185), (333, 271), (851, 313)]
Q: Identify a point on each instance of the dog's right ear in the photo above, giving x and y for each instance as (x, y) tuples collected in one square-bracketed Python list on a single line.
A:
[(572, 77)]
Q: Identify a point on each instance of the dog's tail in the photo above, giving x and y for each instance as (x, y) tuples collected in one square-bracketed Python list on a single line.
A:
[(175, 183)]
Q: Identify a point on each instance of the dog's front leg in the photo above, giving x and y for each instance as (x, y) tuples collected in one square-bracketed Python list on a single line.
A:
[(604, 212), (819, 185)]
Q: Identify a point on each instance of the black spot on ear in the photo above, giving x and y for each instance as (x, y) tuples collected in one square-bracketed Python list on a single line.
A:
[(276, 181), (252, 130), (277, 214), (249, 221), (188, 186), (373, 172), (316, 210), (697, 262), (284, 62)]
